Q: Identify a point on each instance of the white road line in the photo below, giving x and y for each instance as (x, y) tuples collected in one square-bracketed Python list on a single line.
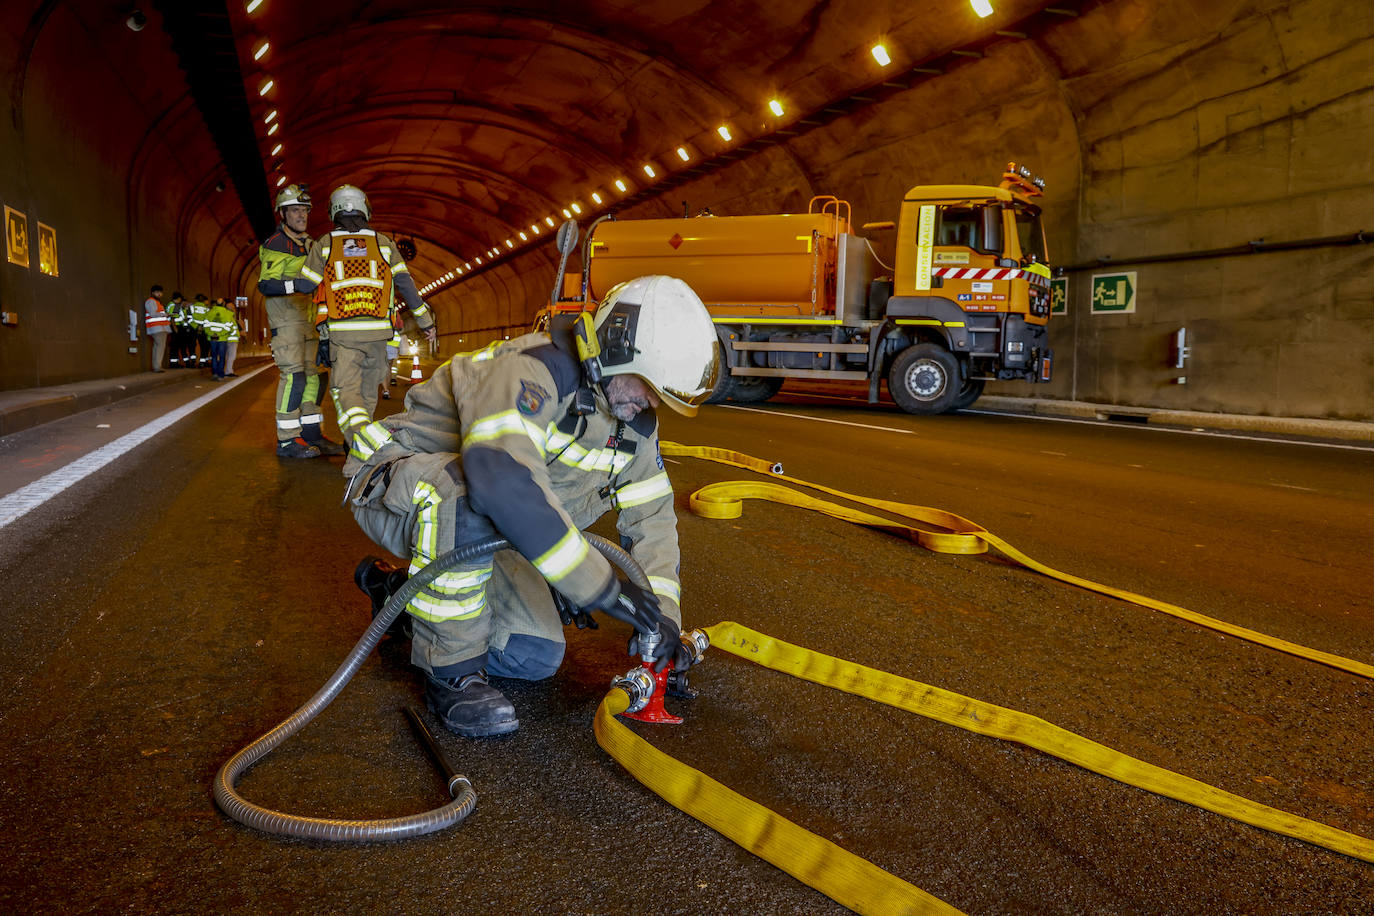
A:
[(800, 416), (33, 495), (1214, 434)]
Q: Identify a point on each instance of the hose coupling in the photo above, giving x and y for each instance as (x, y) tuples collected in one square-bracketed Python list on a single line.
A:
[(648, 644), (697, 642), (639, 684)]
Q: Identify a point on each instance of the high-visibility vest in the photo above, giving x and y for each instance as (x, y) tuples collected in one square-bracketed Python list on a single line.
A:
[(357, 282), (157, 319)]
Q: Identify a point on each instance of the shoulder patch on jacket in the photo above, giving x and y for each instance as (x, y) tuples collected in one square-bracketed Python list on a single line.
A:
[(531, 398)]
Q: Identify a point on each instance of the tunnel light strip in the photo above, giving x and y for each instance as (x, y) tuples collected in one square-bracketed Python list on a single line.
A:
[(880, 54), (29, 497)]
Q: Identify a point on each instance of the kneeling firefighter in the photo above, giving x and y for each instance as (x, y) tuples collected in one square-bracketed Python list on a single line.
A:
[(535, 439)]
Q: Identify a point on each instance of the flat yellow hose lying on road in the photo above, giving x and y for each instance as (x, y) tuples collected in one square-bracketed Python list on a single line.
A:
[(816, 862), (853, 881), (725, 500)]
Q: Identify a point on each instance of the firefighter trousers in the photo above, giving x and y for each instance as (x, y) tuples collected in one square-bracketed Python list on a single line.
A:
[(490, 612), (294, 344), (356, 370)]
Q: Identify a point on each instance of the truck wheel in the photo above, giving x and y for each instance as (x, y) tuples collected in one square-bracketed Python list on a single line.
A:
[(753, 389), (924, 379), (972, 391), (725, 383)]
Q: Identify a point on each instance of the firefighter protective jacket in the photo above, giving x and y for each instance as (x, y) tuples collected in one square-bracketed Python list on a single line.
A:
[(281, 258), (360, 273), (540, 473)]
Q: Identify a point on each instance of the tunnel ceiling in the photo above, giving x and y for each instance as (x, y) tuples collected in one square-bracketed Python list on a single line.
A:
[(468, 124)]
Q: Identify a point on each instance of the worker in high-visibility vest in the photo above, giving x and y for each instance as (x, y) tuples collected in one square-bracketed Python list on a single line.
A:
[(157, 324), (199, 309), (361, 273), (295, 342), (219, 322)]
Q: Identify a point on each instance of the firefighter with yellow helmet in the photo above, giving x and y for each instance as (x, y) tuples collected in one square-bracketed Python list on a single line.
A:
[(360, 272), (529, 439), (290, 314)]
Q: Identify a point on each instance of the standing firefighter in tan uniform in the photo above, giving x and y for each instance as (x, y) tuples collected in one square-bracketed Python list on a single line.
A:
[(523, 439), (291, 315), (361, 271)]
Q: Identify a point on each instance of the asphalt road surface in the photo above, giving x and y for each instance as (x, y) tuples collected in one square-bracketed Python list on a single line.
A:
[(177, 603)]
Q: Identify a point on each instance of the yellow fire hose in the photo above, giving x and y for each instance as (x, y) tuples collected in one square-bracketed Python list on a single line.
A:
[(849, 879), (725, 500)]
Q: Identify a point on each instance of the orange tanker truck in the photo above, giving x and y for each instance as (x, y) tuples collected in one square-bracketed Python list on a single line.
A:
[(801, 296)]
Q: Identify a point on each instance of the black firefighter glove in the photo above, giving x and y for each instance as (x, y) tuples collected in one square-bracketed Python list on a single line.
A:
[(669, 649), (570, 613), (322, 353), (636, 606)]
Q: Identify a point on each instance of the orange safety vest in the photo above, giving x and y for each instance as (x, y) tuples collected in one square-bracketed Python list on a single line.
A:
[(357, 283), (157, 318)]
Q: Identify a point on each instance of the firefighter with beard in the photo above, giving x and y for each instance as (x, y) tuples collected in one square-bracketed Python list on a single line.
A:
[(526, 439)]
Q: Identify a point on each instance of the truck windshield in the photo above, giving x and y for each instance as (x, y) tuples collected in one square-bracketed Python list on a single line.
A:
[(1031, 234), (963, 226)]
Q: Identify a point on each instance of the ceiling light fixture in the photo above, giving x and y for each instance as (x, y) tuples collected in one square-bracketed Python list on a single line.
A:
[(510, 244), (262, 49), (776, 107), (880, 55), (534, 228), (267, 87), (524, 237), (596, 197), (576, 208), (281, 181), (276, 149), (253, 4), (649, 170), (683, 154), (620, 186), (724, 133), (270, 116), (548, 221), (982, 7), (273, 129)]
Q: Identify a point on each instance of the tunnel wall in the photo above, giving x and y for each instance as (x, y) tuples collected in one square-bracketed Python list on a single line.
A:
[(1161, 128), (103, 144)]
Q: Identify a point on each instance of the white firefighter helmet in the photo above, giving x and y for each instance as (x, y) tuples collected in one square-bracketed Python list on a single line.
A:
[(292, 195), (347, 198), (656, 328)]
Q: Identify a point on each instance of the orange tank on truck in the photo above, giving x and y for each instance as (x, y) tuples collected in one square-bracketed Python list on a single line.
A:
[(966, 301)]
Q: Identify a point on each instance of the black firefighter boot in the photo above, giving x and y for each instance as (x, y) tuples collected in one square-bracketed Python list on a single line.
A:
[(312, 433), (469, 706), (379, 580)]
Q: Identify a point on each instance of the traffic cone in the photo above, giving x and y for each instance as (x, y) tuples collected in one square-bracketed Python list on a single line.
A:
[(415, 375)]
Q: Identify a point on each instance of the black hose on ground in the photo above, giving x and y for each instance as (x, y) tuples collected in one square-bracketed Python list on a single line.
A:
[(340, 830)]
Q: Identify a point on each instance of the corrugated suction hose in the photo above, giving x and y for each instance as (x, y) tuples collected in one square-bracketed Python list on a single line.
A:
[(396, 828)]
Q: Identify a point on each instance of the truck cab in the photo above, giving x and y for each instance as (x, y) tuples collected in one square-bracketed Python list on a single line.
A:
[(969, 300)]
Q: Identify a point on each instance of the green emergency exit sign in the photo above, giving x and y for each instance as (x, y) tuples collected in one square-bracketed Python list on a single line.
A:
[(1059, 296), (1114, 293)]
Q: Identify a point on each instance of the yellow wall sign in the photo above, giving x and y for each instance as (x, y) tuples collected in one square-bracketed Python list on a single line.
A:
[(47, 249), (16, 237), (925, 239)]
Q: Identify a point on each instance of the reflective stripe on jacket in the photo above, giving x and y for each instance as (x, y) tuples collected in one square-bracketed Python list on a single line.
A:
[(541, 474)]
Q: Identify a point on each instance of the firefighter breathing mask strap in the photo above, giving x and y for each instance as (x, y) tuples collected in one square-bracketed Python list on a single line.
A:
[(589, 353), (618, 332)]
